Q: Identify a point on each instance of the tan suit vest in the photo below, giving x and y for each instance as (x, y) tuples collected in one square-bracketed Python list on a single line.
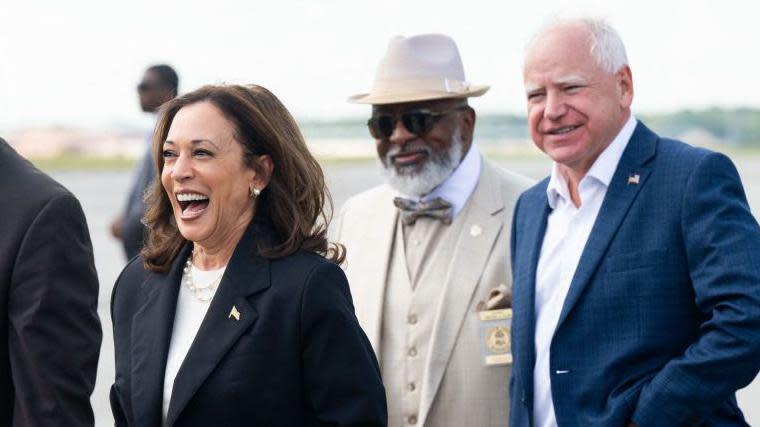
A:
[(417, 272)]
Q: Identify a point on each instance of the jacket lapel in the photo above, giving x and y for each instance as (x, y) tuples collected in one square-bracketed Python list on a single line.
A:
[(367, 274), (617, 202), (246, 274), (486, 212), (151, 333), (536, 206)]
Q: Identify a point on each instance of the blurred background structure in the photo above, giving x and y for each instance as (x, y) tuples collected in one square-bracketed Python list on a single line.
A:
[(68, 72)]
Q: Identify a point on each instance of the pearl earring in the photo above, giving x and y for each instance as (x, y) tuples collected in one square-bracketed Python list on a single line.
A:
[(254, 192)]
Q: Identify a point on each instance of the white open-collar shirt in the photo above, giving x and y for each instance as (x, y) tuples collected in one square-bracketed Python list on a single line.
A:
[(567, 231)]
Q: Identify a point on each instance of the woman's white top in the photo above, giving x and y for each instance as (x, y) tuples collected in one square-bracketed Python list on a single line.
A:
[(187, 320)]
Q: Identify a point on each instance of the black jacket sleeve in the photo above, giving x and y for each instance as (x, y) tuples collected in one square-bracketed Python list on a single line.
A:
[(331, 340), (54, 331)]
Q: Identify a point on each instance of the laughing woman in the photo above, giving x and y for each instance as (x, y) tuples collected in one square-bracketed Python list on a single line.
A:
[(236, 312)]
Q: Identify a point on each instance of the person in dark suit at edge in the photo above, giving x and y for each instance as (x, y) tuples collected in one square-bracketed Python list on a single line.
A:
[(159, 85), (636, 264), (49, 329)]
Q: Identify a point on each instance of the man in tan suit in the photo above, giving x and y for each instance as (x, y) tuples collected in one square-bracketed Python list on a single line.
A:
[(427, 258)]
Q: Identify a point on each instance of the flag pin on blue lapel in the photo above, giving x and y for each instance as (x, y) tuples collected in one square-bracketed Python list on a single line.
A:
[(234, 313), (633, 179)]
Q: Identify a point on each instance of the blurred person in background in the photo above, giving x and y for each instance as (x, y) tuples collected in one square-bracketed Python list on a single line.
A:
[(236, 312), (636, 262), (427, 252), (159, 85), (49, 329)]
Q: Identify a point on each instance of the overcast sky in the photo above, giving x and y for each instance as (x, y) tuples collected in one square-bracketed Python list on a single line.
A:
[(76, 62)]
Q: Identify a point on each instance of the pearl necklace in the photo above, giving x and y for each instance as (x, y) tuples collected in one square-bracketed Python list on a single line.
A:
[(202, 294)]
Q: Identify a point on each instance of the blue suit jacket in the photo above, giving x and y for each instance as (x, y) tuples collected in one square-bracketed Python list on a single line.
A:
[(662, 320)]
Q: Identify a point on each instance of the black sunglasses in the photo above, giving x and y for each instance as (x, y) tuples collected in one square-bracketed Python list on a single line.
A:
[(419, 122), (148, 86)]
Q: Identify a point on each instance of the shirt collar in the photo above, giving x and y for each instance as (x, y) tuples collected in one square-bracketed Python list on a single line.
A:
[(601, 171), (557, 187), (458, 187)]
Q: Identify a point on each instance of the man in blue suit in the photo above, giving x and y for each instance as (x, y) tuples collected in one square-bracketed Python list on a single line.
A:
[(636, 264)]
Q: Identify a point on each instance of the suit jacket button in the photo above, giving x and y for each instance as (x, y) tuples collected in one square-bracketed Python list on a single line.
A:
[(412, 420)]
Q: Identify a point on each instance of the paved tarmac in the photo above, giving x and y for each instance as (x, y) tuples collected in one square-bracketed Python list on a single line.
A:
[(103, 193)]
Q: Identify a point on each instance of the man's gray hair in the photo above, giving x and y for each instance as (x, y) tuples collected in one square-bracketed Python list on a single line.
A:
[(605, 44)]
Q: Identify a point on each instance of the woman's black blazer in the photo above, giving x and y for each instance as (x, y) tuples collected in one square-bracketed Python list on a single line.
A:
[(279, 346)]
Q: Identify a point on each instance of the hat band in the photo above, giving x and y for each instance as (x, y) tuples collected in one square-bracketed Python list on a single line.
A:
[(428, 84)]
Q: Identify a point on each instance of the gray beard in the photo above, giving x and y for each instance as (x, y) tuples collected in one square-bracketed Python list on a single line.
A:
[(433, 173)]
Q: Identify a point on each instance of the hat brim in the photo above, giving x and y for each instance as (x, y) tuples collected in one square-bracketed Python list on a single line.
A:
[(399, 97)]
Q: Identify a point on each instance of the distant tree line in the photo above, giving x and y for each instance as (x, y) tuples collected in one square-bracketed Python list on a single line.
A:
[(740, 126)]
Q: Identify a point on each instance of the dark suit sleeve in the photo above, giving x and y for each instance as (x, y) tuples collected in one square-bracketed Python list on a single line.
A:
[(722, 243), (119, 317), (341, 376), (133, 230), (54, 335)]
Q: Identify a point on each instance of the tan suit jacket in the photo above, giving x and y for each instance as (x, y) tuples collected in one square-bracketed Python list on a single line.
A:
[(458, 388)]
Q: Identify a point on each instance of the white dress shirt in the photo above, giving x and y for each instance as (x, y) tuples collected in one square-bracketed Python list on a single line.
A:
[(187, 320), (458, 187), (567, 231)]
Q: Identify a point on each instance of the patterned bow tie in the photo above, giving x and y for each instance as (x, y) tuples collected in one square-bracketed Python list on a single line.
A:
[(411, 210)]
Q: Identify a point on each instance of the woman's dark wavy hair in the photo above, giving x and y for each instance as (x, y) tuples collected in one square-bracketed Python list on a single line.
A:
[(296, 202)]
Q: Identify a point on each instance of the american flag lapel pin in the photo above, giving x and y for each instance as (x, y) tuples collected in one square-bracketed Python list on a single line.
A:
[(234, 313), (633, 179)]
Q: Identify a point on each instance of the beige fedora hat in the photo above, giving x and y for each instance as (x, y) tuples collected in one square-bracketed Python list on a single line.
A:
[(419, 68)]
